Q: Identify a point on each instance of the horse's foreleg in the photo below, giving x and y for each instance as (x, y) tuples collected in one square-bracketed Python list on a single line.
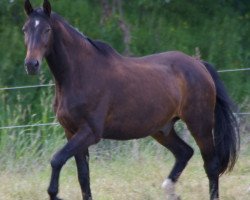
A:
[(82, 164), (79, 143), (182, 153)]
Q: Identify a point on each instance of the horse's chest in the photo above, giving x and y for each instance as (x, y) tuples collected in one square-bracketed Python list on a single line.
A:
[(70, 116)]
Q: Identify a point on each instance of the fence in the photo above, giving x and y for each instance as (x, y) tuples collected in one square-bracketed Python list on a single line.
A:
[(56, 124)]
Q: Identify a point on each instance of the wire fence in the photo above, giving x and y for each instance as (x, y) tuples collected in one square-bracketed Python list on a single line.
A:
[(30, 126), (26, 87), (57, 124), (233, 70)]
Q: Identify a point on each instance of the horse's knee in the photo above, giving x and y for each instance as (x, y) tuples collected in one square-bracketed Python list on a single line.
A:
[(57, 162)]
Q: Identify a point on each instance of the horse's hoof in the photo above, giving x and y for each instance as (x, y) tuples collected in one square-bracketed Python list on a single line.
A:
[(173, 197)]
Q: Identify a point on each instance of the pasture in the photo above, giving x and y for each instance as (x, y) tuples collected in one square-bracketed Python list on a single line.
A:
[(132, 170)]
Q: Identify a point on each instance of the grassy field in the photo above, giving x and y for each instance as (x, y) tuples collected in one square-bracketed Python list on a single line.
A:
[(125, 177)]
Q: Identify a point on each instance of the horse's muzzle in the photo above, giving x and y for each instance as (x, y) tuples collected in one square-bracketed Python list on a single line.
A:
[(32, 66)]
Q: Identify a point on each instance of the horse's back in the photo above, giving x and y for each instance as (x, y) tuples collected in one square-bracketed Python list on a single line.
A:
[(181, 69), (189, 68)]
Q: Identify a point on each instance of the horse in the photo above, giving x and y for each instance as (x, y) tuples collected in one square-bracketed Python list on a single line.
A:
[(100, 94)]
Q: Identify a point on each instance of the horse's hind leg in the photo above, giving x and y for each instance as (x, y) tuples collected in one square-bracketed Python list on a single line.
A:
[(201, 128), (182, 153)]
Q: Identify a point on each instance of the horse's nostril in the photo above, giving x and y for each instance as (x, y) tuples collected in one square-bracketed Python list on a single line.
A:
[(32, 66), (31, 63), (37, 64)]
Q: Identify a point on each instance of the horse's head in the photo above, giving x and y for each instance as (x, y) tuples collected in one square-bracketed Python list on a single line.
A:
[(38, 35)]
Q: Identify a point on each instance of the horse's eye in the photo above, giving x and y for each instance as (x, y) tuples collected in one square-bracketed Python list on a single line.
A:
[(47, 30)]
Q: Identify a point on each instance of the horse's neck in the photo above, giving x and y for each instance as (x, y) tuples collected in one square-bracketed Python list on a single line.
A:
[(63, 56)]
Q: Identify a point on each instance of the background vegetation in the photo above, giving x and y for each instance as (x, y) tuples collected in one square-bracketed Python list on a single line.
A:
[(216, 30)]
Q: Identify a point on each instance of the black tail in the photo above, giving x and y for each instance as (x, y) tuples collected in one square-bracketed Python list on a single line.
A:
[(226, 130)]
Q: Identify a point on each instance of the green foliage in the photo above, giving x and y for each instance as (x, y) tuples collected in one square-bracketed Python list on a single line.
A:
[(220, 29)]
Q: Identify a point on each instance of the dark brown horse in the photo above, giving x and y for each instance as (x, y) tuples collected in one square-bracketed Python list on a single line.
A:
[(101, 94)]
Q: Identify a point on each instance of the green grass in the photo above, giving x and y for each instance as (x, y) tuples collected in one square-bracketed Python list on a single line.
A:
[(116, 176)]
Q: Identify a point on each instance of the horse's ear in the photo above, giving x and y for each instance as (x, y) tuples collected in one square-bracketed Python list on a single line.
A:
[(47, 7), (28, 7)]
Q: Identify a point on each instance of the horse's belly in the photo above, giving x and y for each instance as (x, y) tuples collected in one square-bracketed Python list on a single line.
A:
[(119, 134), (134, 127)]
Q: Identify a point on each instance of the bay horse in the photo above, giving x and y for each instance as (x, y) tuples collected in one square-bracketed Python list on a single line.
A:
[(101, 94)]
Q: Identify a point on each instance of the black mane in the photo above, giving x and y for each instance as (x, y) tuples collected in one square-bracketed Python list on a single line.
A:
[(102, 47)]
